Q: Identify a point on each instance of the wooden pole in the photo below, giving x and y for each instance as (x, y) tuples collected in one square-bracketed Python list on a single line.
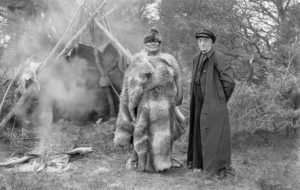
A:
[(114, 40), (92, 16), (107, 23), (107, 91), (61, 39), (79, 32), (103, 76)]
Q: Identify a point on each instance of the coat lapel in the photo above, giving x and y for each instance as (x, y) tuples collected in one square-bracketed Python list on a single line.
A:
[(195, 62)]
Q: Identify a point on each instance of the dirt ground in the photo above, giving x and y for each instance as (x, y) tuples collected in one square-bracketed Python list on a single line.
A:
[(263, 160)]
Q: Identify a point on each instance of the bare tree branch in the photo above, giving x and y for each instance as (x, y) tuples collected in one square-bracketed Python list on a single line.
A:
[(287, 5), (260, 53), (265, 10)]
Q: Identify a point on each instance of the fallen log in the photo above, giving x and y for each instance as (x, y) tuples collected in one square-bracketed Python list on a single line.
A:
[(176, 163), (79, 150), (29, 156), (16, 161)]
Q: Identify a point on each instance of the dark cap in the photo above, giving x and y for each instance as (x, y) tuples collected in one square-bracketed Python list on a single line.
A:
[(204, 33), (152, 36)]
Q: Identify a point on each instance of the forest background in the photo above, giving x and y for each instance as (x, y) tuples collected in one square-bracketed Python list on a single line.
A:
[(259, 38)]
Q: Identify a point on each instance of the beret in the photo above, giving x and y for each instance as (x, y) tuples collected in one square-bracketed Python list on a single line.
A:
[(204, 33)]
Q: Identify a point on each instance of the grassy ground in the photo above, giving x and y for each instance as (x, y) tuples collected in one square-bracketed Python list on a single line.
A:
[(263, 160)]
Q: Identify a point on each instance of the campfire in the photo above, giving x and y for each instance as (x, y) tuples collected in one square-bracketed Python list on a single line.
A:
[(55, 151)]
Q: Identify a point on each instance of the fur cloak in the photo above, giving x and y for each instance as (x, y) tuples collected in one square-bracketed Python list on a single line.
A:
[(146, 111)]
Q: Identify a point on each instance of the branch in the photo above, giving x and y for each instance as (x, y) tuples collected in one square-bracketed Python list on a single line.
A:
[(93, 15), (114, 40), (265, 10), (286, 7), (61, 39), (253, 44), (16, 161), (260, 53)]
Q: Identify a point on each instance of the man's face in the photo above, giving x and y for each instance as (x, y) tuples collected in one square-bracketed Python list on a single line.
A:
[(152, 47), (204, 43)]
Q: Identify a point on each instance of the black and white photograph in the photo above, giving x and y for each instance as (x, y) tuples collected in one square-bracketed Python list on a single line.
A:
[(149, 94)]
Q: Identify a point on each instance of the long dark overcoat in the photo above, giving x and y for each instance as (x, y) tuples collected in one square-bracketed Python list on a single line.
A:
[(214, 120)]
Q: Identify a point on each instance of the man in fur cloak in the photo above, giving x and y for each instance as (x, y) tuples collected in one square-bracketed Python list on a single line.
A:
[(152, 88), (211, 87)]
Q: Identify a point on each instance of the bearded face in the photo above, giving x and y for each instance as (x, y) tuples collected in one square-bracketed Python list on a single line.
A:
[(152, 47)]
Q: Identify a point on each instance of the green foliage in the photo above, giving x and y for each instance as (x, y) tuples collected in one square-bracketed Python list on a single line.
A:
[(268, 105)]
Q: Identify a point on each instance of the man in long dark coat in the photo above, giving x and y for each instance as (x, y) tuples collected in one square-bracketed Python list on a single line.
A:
[(211, 87)]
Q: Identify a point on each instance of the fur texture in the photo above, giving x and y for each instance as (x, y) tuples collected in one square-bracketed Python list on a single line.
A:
[(147, 112)]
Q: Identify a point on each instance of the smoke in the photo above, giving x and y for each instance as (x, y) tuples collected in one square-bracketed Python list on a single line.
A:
[(62, 83), (38, 33), (66, 87), (127, 25), (71, 87), (35, 32)]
